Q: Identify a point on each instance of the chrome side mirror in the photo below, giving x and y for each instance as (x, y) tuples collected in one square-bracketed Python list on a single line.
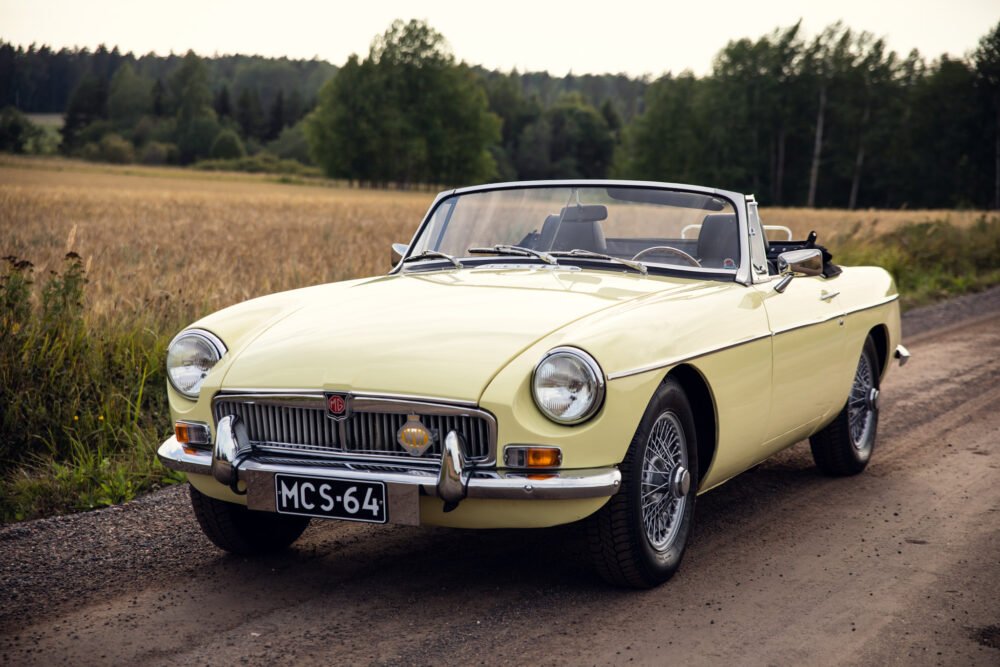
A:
[(398, 250), (806, 262)]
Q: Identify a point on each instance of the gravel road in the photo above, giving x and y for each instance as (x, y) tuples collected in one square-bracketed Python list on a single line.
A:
[(900, 565)]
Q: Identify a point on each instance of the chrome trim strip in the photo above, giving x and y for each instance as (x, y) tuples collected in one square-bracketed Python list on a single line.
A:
[(680, 360), (836, 316), (885, 301), (312, 393), (808, 324), (564, 485)]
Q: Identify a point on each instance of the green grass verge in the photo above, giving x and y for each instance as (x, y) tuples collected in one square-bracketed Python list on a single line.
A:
[(82, 405), (930, 261)]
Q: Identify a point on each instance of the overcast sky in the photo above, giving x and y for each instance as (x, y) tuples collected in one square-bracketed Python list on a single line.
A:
[(620, 36)]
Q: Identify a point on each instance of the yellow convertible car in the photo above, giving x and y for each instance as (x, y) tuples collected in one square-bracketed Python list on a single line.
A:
[(540, 353)]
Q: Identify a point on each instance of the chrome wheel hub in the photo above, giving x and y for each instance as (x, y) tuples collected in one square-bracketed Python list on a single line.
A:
[(666, 481), (680, 482)]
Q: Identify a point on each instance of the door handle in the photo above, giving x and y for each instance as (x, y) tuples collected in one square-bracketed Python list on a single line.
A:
[(827, 296)]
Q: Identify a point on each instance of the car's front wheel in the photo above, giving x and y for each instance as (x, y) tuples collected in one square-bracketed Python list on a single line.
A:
[(238, 530), (638, 538), (845, 446)]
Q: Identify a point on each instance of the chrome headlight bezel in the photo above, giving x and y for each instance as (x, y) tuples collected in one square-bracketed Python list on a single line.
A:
[(209, 343), (594, 375)]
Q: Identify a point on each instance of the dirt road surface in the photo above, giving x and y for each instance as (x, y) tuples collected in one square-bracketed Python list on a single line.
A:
[(900, 565)]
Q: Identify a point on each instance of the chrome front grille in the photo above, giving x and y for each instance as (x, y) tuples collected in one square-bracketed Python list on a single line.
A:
[(300, 424)]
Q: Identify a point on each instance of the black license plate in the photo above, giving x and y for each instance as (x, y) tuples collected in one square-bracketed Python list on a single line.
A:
[(330, 498)]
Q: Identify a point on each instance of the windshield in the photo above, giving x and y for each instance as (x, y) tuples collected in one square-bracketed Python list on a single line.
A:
[(653, 226)]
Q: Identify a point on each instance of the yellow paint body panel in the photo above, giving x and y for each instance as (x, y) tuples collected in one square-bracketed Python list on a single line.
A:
[(778, 366)]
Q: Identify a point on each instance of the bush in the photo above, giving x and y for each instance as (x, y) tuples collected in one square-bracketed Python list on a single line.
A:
[(262, 163), (157, 153), (116, 150), (227, 146), (292, 144), (90, 152), (929, 260), (17, 132)]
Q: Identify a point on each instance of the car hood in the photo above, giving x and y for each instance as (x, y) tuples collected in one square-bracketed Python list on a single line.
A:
[(442, 334)]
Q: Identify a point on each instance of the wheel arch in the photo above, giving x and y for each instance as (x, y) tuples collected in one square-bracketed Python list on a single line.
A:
[(703, 407), (880, 336)]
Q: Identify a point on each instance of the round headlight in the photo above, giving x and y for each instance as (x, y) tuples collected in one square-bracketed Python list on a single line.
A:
[(190, 356), (568, 385)]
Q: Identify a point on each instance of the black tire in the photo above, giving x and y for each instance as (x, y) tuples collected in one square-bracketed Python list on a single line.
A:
[(839, 450), (236, 529), (621, 548)]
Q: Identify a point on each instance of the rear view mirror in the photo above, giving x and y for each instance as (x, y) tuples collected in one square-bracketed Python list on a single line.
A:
[(806, 262), (397, 252)]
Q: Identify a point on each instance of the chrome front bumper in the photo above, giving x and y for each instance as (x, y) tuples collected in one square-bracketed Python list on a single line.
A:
[(230, 462)]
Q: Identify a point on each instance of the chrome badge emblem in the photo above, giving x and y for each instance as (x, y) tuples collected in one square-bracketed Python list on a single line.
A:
[(338, 406), (414, 437)]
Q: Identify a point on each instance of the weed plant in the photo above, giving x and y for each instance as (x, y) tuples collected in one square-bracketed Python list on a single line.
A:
[(82, 407), (929, 260)]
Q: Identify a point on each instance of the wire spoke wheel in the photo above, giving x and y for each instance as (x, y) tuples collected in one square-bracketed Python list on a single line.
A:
[(860, 412), (845, 445), (637, 539), (664, 468)]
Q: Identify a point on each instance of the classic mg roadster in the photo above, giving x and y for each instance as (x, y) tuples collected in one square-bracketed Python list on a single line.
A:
[(540, 353)]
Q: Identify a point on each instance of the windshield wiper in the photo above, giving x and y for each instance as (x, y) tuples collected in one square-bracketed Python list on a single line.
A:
[(433, 254), (579, 252), (501, 249)]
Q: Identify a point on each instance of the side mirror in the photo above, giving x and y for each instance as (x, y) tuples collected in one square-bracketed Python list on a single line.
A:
[(806, 262), (398, 250)]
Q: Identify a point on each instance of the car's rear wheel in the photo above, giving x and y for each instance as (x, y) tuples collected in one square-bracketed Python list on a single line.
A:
[(238, 530), (638, 538), (845, 446)]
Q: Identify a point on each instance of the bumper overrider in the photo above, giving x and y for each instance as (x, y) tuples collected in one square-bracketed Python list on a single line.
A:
[(231, 461)]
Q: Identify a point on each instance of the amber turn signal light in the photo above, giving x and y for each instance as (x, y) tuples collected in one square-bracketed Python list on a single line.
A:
[(532, 457), (192, 433)]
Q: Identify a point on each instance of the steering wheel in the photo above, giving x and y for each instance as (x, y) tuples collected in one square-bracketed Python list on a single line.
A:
[(670, 251)]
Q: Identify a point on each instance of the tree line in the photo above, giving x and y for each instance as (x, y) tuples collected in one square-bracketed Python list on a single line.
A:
[(837, 119)]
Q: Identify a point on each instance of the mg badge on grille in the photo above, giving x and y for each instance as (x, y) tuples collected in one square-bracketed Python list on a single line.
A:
[(338, 406), (414, 437)]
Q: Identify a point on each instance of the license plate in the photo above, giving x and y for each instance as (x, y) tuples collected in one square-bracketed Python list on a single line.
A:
[(330, 498)]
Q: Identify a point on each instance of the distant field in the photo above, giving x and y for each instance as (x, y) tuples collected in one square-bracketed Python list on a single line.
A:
[(186, 243), (54, 120)]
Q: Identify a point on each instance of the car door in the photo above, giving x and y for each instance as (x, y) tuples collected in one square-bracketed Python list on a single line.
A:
[(807, 347)]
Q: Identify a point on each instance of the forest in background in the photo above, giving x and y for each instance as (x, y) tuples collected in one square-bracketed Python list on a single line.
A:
[(832, 120)]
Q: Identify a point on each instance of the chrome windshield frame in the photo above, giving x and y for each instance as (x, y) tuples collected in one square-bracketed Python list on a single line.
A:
[(742, 275)]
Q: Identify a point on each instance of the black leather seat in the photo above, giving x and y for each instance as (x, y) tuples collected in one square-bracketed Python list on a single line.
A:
[(719, 242), (572, 234)]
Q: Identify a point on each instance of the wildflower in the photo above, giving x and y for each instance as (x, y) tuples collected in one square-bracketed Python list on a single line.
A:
[(100, 418), (76, 418)]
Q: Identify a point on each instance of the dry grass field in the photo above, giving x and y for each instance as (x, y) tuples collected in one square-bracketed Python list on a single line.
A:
[(184, 243), (188, 242)]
